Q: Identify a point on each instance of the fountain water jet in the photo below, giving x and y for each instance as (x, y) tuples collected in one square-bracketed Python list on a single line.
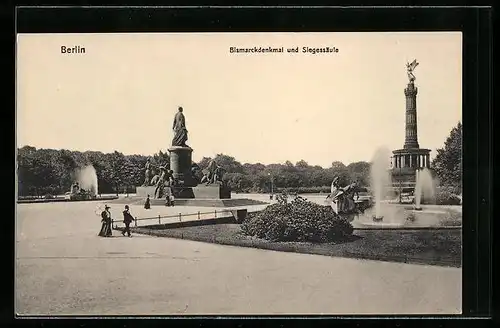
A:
[(87, 178), (380, 179), (424, 187)]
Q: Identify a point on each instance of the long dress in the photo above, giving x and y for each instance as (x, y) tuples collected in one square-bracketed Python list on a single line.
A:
[(106, 225)]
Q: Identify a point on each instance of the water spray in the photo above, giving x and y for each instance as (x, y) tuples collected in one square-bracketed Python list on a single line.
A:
[(380, 179)]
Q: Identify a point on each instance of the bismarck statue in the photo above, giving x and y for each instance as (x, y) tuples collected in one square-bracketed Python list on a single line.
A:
[(180, 131), (180, 153), (185, 180)]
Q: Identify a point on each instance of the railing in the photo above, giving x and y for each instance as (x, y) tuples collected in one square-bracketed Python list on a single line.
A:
[(178, 217)]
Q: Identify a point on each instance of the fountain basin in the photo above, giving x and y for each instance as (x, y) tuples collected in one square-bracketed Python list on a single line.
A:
[(397, 217)]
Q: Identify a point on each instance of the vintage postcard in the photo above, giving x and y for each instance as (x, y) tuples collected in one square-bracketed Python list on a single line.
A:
[(239, 174)]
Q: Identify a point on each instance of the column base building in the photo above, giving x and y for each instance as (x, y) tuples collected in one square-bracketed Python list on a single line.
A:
[(405, 163)]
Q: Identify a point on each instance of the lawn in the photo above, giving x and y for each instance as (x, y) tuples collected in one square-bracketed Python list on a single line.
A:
[(432, 247)]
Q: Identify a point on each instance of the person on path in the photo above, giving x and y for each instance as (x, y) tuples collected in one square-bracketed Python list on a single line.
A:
[(127, 219), (147, 204), (106, 223)]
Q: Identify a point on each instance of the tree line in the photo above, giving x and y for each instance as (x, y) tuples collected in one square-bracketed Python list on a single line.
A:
[(50, 171)]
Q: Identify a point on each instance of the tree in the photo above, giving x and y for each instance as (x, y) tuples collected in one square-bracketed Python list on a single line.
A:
[(42, 171), (338, 169), (160, 159), (448, 161), (117, 168), (302, 164), (229, 163), (360, 171), (203, 163), (237, 181), (252, 169)]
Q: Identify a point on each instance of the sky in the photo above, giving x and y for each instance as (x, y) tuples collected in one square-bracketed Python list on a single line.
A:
[(123, 92)]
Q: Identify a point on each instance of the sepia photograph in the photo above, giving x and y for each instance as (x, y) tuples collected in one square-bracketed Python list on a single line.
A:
[(180, 174)]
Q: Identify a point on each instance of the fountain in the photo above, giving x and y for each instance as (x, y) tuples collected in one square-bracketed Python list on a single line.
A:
[(384, 215), (380, 179), (424, 188), (87, 179), (411, 157)]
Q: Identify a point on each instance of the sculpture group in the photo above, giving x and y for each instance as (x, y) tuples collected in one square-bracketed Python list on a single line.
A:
[(342, 198), (165, 179)]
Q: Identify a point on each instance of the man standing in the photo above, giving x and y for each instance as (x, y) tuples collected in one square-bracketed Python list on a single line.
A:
[(127, 219)]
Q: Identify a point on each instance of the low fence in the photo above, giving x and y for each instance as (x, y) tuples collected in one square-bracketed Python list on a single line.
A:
[(217, 214)]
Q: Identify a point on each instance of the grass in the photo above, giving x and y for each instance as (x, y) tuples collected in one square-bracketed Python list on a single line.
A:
[(432, 247), (453, 219)]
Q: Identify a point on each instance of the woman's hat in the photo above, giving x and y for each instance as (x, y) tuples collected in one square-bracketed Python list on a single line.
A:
[(126, 206)]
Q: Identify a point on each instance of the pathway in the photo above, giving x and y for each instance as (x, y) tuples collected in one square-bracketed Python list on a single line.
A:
[(62, 267)]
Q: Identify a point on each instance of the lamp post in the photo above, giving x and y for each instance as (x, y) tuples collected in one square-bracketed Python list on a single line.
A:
[(272, 185)]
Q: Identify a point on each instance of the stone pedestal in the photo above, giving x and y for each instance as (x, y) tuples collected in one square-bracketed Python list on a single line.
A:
[(180, 164), (144, 191), (212, 191)]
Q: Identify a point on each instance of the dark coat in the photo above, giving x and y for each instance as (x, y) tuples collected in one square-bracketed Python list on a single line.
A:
[(127, 217)]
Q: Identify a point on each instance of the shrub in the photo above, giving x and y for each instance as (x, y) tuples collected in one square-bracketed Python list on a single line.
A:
[(298, 220), (444, 197)]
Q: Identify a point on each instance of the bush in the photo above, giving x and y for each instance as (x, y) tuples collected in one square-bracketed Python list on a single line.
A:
[(298, 220), (444, 197)]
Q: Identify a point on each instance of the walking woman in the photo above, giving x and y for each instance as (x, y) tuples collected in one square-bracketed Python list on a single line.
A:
[(106, 223)]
